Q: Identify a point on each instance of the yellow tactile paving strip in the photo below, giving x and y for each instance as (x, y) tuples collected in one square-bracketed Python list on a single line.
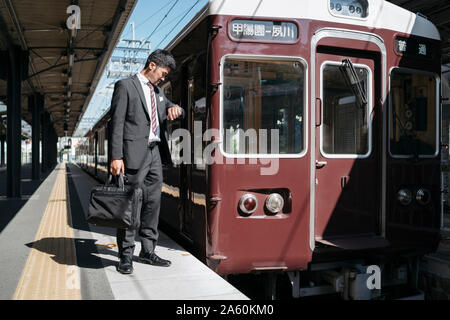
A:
[(51, 271)]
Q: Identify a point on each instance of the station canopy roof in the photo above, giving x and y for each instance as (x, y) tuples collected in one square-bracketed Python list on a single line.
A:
[(65, 65)]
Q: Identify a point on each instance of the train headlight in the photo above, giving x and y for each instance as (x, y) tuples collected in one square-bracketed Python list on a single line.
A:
[(404, 196), (423, 196), (274, 203), (248, 203)]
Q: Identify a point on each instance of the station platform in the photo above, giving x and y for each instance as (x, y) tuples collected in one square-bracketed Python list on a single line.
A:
[(50, 252)]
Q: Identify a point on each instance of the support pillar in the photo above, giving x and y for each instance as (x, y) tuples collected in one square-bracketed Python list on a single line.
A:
[(18, 62), (35, 105), (45, 141), (2, 151), (96, 153), (53, 147)]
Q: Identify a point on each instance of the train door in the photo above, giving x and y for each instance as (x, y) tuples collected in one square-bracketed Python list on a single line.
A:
[(194, 171), (187, 167), (347, 150)]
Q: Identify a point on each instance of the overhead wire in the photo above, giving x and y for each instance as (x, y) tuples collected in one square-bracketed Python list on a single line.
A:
[(178, 23), (165, 16), (154, 14), (169, 23)]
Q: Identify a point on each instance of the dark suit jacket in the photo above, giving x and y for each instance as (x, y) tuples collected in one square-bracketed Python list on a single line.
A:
[(130, 123)]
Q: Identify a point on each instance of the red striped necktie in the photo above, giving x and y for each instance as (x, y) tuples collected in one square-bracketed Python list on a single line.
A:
[(152, 98)]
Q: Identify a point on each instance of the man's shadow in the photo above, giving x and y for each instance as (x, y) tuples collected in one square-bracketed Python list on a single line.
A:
[(86, 251)]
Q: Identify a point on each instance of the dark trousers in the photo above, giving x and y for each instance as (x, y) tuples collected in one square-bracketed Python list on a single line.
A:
[(150, 179)]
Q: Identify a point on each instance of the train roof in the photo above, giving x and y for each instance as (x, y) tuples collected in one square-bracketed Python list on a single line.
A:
[(381, 15)]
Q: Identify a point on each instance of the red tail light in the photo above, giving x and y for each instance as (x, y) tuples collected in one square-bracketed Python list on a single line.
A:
[(248, 204)]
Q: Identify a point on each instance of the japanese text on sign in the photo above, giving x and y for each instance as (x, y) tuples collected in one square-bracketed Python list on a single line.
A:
[(413, 47), (263, 30)]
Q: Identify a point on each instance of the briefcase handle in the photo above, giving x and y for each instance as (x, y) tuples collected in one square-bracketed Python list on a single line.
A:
[(120, 181)]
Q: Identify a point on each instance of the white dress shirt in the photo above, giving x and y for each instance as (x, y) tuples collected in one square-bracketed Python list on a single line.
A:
[(143, 80)]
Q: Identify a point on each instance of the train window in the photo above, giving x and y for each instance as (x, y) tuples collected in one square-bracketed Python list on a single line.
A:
[(101, 142), (174, 142), (167, 87), (260, 96), (413, 114), (346, 125)]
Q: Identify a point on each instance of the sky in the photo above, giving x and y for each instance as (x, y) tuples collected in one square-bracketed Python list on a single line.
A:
[(157, 21), (149, 14)]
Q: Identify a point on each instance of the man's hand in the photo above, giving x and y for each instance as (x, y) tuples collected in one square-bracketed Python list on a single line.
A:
[(174, 112), (116, 167)]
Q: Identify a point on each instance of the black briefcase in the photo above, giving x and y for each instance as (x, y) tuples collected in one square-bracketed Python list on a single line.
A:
[(115, 205)]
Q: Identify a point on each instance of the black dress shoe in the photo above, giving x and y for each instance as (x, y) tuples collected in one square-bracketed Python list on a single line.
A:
[(125, 265), (153, 259)]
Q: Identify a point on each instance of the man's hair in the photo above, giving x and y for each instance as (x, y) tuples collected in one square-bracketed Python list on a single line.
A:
[(162, 58)]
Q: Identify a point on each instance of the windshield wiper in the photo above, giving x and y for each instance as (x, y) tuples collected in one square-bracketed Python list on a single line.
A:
[(353, 81)]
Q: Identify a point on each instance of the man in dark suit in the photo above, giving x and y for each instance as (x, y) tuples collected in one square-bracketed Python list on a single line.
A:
[(139, 110)]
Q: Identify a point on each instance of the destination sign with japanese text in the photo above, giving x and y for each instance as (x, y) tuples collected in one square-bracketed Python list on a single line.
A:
[(414, 47), (263, 30)]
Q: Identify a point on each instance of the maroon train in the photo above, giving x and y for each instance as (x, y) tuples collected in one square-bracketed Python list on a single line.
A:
[(311, 143)]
